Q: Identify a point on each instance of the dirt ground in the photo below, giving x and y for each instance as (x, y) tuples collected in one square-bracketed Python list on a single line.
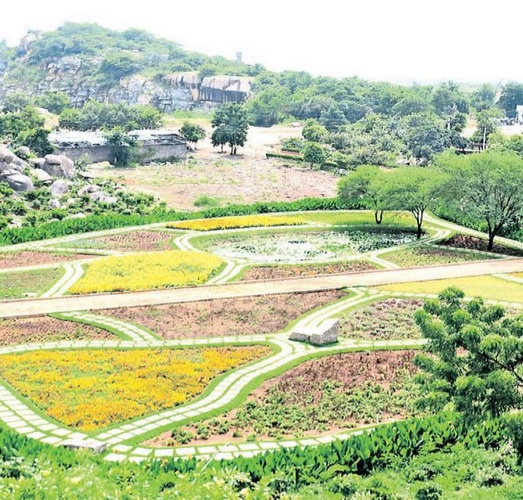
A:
[(136, 241), (46, 329), (224, 317), (281, 272), (246, 178), (473, 243), (350, 370), (23, 259)]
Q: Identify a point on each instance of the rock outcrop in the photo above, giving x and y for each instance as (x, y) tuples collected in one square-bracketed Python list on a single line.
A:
[(58, 166)]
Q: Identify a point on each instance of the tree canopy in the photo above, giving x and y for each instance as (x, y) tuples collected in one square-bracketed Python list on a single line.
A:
[(230, 125), (475, 356)]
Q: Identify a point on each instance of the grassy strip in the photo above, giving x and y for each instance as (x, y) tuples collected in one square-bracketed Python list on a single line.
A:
[(17, 284)]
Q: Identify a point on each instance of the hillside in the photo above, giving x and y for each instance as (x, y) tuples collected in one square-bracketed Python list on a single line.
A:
[(89, 62)]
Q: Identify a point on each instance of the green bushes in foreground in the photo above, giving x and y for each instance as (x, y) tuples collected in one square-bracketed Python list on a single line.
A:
[(31, 469), (87, 224)]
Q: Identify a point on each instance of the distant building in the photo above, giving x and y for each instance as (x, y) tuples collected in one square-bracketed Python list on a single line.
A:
[(153, 145), (519, 113)]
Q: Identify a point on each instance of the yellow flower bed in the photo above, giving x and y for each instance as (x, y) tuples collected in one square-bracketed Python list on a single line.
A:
[(92, 389), (236, 222), (143, 271)]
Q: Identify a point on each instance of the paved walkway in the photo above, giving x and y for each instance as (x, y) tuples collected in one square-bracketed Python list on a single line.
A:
[(16, 414), (31, 307)]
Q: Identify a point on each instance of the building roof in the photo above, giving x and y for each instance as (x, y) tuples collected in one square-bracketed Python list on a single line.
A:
[(74, 138)]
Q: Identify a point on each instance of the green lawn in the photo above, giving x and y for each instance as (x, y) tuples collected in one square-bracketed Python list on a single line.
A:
[(341, 218), (487, 287), (19, 284)]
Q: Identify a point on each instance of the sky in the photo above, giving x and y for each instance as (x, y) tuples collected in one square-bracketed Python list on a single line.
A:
[(401, 41)]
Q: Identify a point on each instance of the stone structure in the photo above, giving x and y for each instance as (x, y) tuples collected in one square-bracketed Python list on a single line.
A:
[(519, 114), (325, 333), (153, 145)]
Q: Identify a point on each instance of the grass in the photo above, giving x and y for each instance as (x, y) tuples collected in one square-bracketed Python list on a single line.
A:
[(429, 256), (488, 287), (18, 285), (359, 217), (207, 201), (89, 389)]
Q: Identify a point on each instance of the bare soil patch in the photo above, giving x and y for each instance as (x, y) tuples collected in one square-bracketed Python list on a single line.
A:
[(245, 178), (29, 258), (224, 317), (281, 272), (474, 243), (136, 241), (46, 329), (324, 395)]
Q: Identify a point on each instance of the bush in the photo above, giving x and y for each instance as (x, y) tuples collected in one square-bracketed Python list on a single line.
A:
[(430, 491)]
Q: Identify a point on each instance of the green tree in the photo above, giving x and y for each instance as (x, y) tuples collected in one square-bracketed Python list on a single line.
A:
[(364, 188), (123, 147), (483, 97), (314, 153), (511, 96), (475, 356), (414, 189), (55, 102), (192, 132), (486, 186), (16, 101), (314, 132), (231, 119), (487, 123)]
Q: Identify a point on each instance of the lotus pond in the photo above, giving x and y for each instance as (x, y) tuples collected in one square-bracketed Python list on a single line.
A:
[(289, 247)]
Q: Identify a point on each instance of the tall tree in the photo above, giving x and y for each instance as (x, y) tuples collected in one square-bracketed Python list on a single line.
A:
[(511, 96), (414, 189), (364, 188), (487, 186), (232, 123)]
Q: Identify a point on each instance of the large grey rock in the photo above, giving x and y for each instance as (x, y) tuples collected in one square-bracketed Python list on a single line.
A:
[(19, 182), (42, 175), (99, 196), (54, 203), (59, 166), (23, 152), (59, 188), (5, 155), (325, 333), (4, 166), (37, 162)]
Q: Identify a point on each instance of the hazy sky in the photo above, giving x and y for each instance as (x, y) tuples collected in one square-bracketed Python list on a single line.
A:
[(395, 40)]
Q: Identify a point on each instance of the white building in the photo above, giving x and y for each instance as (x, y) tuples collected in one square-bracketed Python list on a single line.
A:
[(519, 113)]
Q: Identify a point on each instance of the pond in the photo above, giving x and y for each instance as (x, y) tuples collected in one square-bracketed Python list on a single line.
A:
[(291, 247)]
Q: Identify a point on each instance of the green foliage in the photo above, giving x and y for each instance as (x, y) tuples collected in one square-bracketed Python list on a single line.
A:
[(475, 356), (16, 102), (192, 132), (25, 128), (485, 187), (96, 116), (314, 154), (511, 96), (314, 132), (230, 125), (123, 147), (55, 102)]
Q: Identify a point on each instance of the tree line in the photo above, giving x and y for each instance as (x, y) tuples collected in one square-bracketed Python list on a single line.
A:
[(482, 190)]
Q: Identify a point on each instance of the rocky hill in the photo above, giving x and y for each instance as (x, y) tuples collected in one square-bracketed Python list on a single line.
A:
[(88, 62)]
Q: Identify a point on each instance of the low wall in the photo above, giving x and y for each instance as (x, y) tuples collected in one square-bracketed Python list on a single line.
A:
[(146, 153)]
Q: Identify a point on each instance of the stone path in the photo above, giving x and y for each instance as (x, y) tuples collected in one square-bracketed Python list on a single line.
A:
[(73, 272)]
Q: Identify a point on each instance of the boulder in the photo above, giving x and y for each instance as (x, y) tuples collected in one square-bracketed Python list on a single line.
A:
[(99, 196), (23, 152), (5, 155), (42, 175), (59, 188), (54, 203), (37, 162), (19, 182), (59, 166), (111, 200), (4, 166), (85, 190)]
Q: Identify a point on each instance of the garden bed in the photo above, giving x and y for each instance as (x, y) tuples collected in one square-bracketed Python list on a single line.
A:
[(428, 256), (293, 247), (474, 243), (303, 270), (225, 317), (146, 271), (29, 258), (20, 284), (388, 319), (46, 329), (135, 241), (323, 395), (92, 389)]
